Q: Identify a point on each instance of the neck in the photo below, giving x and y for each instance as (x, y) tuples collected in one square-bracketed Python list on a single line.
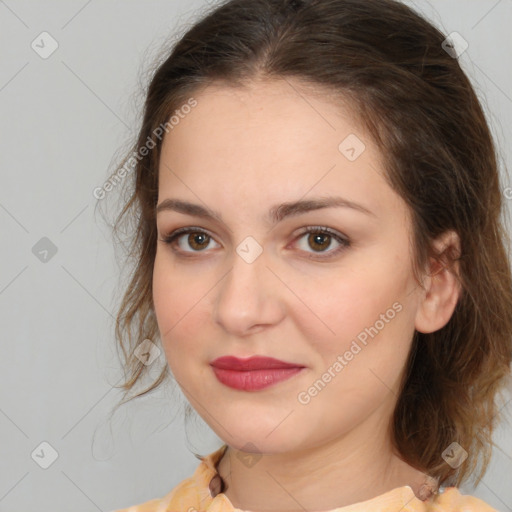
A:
[(354, 468)]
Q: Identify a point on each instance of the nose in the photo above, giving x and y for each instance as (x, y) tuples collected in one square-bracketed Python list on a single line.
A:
[(249, 297)]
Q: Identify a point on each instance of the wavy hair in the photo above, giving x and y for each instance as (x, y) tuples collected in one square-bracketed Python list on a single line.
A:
[(424, 116)]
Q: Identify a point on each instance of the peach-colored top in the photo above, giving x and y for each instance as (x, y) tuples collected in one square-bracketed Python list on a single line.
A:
[(194, 495)]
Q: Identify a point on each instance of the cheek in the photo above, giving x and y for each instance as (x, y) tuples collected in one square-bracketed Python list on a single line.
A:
[(370, 307), (165, 285), (178, 300)]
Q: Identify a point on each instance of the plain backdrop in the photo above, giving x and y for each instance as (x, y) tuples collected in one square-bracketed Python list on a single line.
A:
[(66, 119)]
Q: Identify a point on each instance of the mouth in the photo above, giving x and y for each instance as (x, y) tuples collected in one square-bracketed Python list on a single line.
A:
[(253, 373)]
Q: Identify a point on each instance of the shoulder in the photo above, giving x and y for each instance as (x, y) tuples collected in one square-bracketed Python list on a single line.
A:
[(451, 500), (193, 493), (183, 495)]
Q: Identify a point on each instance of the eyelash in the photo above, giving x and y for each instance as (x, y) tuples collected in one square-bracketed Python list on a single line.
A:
[(345, 243)]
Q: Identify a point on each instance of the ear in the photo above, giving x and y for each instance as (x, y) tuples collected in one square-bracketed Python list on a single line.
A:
[(441, 287)]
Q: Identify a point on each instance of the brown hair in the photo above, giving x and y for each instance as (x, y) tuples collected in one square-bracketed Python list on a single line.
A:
[(423, 114)]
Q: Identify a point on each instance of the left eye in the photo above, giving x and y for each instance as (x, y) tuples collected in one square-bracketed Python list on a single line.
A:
[(318, 237), (321, 238)]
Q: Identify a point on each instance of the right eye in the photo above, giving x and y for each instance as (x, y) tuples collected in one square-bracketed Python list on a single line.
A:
[(197, 238)]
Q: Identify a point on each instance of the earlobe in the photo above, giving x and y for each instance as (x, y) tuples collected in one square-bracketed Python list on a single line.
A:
[(442, 288)]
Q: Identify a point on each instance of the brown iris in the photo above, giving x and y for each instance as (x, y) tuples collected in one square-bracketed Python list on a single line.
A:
[(192, 237), (313, 238)]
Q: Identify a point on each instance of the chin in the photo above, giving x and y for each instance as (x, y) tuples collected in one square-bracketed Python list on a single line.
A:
[(249, 439)]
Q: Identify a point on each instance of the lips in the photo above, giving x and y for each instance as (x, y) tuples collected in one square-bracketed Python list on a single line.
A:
[(254, 373), (251, 363)]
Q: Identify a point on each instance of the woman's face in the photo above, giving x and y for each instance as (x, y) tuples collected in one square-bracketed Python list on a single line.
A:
[(343, 310)]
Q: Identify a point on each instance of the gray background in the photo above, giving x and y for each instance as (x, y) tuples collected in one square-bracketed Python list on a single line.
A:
[(65, 121)]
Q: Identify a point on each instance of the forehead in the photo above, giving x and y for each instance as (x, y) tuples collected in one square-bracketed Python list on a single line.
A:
[(277, 140), (253, 116)]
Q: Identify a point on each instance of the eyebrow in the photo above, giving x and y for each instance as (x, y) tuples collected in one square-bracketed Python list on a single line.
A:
[(276, 213)]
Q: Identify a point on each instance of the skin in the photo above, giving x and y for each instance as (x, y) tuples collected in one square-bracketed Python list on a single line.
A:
[(238, 152)]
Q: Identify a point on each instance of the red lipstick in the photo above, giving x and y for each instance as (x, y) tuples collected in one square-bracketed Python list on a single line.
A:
[(253, 373)]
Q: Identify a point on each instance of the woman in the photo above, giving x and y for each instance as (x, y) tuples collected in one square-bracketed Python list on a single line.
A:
[(320, 254)]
